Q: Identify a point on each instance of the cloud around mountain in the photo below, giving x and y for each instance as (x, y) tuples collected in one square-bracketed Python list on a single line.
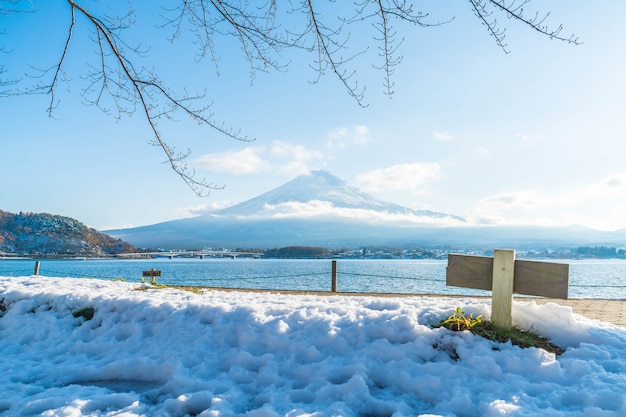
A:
[(317, 209)]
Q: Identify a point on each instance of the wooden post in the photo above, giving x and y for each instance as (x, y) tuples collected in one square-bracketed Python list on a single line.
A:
[(334, 277), (36, 268), (153, 273), (502, 287)]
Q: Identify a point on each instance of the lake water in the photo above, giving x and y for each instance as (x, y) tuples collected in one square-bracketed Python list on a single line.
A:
[(588, 278)]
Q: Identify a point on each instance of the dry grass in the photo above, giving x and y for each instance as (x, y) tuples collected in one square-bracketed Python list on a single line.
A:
[(517, 337)]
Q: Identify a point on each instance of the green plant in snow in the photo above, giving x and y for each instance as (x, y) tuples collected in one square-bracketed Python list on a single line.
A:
[(459, 321)]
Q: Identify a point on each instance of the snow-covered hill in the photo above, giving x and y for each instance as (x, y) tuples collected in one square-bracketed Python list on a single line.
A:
[(50, 234)]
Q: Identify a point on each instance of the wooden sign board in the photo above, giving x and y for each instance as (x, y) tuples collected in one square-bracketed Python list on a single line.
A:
[(542, 279)]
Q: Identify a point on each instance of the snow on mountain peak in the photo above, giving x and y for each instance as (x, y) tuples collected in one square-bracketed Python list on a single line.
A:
[(321, 194)]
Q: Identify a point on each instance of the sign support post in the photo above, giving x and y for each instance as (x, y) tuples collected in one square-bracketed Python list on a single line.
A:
[(502, 287)]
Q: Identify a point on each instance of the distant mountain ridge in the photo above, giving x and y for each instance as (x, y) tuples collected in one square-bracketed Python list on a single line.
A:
[(322, 210), (49, 234)]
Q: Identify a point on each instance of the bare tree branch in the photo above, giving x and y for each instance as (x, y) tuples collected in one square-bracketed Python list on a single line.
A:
[(145, 89), (327, 46), (255, 26), (59, 66), (118, 85), (514, 9), (382, 14), (9, 8)]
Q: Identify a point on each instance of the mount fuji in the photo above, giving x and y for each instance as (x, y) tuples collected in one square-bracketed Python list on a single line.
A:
[(320, 209), (314, 209), (321, 194)]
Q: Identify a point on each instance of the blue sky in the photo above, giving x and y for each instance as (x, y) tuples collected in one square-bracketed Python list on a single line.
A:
[(536, 136)]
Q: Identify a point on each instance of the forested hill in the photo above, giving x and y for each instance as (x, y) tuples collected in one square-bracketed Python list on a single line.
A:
[(48, 234)]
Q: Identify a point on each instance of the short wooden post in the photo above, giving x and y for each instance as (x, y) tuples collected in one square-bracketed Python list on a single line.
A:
[(36, 268), (334, 277), (502, 287), (153, 273)]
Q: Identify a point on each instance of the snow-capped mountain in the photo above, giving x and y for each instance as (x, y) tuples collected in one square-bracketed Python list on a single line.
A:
[(315, 209), (320, 209), (320, 194)]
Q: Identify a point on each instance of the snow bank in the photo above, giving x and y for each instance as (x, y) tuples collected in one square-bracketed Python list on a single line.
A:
[(163, 352)]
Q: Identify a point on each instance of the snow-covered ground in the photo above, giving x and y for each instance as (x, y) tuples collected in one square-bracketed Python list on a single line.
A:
[(163, 352)]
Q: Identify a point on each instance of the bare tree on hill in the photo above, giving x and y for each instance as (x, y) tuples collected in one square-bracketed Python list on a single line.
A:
[(119, 84)]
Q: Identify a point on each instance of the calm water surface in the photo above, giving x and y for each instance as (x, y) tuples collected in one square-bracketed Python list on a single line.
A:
[(588, 278)]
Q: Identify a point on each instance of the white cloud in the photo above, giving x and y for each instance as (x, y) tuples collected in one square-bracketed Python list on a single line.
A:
[(519, 199), (322, 209), (600, 205), (402, 177), (193, 211), (494, 209), (613, 186), (443, 136), (294, 159), (284, 157), (361, 134), (532, 137), (343, 136), (245, 161)]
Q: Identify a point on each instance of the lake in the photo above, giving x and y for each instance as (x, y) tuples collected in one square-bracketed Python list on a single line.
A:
[(594, 278)]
